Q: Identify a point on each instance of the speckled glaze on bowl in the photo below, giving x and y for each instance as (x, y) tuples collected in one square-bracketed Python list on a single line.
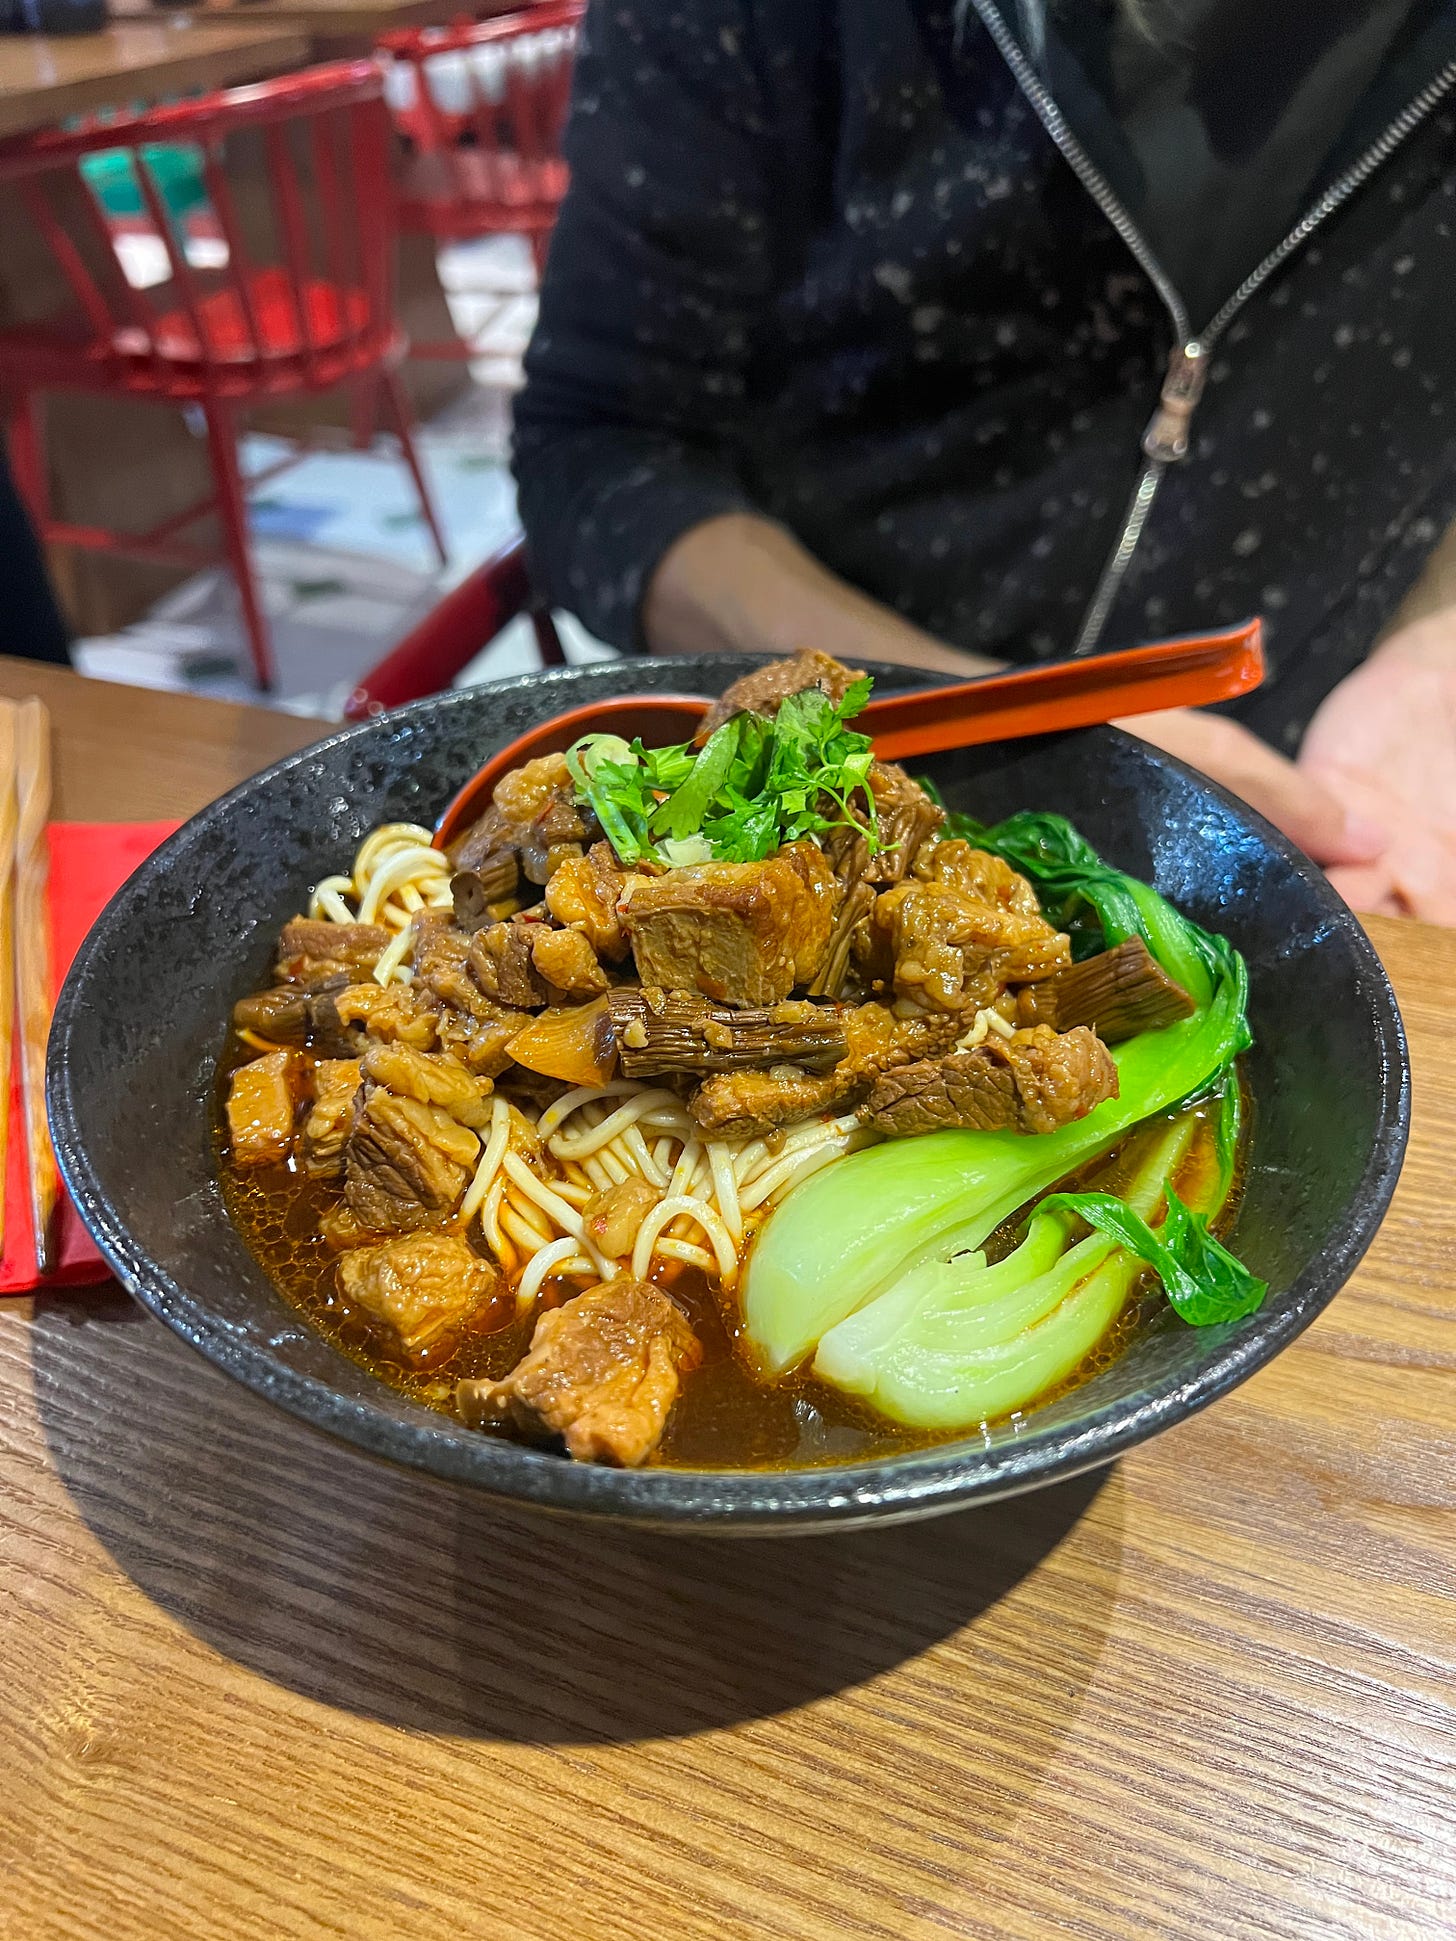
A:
[(141, 1019)]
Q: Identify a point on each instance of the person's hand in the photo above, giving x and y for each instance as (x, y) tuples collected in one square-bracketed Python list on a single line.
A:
[(1384, 742), (1336, 831)]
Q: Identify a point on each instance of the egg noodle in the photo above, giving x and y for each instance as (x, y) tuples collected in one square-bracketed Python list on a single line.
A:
[(535, 1176)]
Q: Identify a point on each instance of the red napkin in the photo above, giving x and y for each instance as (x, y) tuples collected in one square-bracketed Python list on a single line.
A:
[(89, 862)]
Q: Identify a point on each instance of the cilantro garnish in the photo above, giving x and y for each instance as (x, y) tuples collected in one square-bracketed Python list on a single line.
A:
[(753, 786)]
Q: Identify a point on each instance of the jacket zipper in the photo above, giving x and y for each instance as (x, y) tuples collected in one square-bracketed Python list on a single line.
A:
[(1166, 440)]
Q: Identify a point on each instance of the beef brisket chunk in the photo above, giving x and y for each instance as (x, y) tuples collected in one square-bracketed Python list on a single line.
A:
[(312, 951), (602, 1372), (262, 1098), (739, 933), (330, 1118), (767, 687), (424, 1288), (1034, 1082), (406, 1163)]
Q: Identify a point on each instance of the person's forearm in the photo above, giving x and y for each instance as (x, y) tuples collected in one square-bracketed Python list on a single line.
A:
[(741, 584)]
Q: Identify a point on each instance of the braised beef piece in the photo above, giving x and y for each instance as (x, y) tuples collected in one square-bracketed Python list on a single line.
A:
[(750, 1105), (424, 1288), (962, 926), (262, 1098), (312, 951), (405, 1163), (502, 964), (907, 820), (568, 963), (533, 816), (672, 1031), (583, 895), (1034, 1082), (433, 1078), (398, 1013), (762, 691), (601, 1373), (475, 1027), (739, 933), (330, 1120), (1121, 992)]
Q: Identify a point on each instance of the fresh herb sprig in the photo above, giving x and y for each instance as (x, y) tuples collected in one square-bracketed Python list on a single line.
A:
[(753, 786)]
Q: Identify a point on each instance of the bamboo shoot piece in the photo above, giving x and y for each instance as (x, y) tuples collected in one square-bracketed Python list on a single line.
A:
[(671, 1031), (32, 953), (1119, 992)]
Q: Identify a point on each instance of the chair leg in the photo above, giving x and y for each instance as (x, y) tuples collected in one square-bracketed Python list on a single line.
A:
[(363, 398), (401, 420), (25, 424), (232, 505), (553, 654)]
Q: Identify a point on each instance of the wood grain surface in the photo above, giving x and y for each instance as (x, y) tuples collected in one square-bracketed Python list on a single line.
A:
[(332, 22), (44, 79), (254, 1685)]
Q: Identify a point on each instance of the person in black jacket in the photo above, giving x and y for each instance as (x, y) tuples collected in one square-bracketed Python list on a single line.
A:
[(963, 331), (30, 621)]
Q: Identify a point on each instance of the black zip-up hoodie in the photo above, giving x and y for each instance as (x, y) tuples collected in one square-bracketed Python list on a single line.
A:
[(824, 259)]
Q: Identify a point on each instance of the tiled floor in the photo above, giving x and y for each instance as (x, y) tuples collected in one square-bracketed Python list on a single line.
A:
[(340, 548)]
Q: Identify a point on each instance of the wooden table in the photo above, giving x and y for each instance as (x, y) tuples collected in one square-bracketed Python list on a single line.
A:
[(351, 26), (43, 80), (256, 1686)]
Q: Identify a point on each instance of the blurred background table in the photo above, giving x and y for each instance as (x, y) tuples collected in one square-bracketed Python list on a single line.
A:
[(338, 27), (45, 80), (254, 1684)]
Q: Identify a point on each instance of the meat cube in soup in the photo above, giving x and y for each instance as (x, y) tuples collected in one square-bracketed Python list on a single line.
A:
[(1038, 1081), (312, 951), (262, 1098), (740, 933), (406, 1162), (331, 1117), (568, 963), (422, 1287), (601, 1373), (434, 1078)]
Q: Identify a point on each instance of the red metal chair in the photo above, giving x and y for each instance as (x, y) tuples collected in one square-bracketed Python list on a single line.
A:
[(298, 299), (481, 108), (454, 633)]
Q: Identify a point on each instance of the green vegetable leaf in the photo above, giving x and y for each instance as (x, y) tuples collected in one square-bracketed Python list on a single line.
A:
[(754, 785), (683, 812), (1204, 1282)]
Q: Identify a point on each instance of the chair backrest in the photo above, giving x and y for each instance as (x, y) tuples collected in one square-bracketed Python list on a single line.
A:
[(290, 260), (488, 100)]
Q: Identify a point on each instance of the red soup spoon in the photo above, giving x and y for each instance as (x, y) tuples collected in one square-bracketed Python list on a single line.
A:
[(1187, 673)]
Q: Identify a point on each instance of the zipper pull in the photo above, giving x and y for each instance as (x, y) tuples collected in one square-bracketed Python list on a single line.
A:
[(1166, 438)]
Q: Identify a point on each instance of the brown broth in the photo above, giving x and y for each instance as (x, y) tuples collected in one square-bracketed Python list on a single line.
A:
[(726, 1416)]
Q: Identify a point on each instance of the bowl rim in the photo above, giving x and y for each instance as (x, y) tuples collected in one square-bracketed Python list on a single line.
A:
[(910, 1484)]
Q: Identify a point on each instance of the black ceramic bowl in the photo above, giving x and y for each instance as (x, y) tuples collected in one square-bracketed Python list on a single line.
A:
[(141, 1020)]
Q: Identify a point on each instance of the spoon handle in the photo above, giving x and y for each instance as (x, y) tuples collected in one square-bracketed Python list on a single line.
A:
[(1186, 673)]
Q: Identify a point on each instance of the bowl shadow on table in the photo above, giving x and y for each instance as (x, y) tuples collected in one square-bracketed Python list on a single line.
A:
[(426, 1605)]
